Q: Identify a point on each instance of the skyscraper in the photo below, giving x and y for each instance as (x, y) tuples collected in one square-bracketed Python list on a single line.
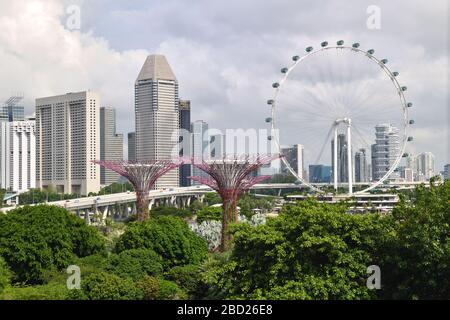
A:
[(342, 173), (447, 171), (424, 165), (156, 112), (361, 168), (111, 144), (67, 140), (217, 146), (131, 146), (318, 173), (294, 156), (17, 155), (185, 140), (200, 141), (385, 151), (12, 110)]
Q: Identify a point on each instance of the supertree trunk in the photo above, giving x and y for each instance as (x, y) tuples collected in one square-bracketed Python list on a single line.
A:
[(230, 215), (142, 206)]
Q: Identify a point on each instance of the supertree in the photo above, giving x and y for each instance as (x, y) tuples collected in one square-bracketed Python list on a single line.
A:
[(230, 177), (142, 175)]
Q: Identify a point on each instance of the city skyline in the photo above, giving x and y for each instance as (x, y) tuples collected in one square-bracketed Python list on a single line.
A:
[(220, 92)]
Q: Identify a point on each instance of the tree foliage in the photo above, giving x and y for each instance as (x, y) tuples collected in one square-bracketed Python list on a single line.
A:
[(105, 286), (5, 275), (312, 251), (39, 238), (418, 261), (169, 237), (136, 263)]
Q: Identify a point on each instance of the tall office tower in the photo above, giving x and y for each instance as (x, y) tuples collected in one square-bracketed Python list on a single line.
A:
[(318, 173), (406, 174), (200, 141), (385, 151), (342, 165), (361, 168), (156, 111), (447, 171), (12, 110), (185, 140), (217, 145), (67, 141), (131, 146), (424, 165), (111, 144), (294, 156), (17, 155)]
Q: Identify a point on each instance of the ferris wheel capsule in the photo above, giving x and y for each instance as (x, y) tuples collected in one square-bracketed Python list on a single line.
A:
[(324, 44), (384, 61), (275, 85), (284, 70), (410, 139), (340, 42), (395, 73), (268, 120), (355, 45), (295, 58), (309, 49), (404, 88), (405, 155), (370, 51), (411, 121), (269, 138), (270, 101), (409, 105)]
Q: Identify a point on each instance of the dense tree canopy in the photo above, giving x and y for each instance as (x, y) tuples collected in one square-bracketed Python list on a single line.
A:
[(169, 237), (5, 275), (33, 239), (312, 251), (136, 263)]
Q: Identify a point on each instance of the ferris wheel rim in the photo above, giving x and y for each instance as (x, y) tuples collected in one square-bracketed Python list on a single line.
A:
[(393, 78)]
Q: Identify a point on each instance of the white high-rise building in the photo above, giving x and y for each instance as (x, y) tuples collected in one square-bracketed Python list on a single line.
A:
[(424, 165), (385, 151), (157, 116), (67, 140), (17, 155)]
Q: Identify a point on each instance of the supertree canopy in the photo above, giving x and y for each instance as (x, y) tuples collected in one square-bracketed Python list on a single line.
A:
[(142, 175), (231, 176)]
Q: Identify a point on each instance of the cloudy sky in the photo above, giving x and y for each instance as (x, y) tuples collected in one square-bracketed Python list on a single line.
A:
[(225, 54)]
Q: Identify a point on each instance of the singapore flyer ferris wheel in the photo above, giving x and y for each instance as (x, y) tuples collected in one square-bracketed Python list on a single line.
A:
[(340, 117)]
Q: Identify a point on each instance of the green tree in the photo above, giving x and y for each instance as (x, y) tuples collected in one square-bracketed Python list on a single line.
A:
[(209, 213), (170, 211), (105, 286), (38, 238), (311, 251), (159, 289), (186, 277), (5, 275), (136, 263), (417, 264), (169, 237)]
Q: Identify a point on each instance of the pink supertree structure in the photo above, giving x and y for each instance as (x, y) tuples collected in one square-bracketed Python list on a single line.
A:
[(142, 175), (230, 177)]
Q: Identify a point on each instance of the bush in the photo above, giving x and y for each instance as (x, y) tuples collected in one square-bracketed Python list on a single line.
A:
[(209, 213), (5, 275), (168, 236), (159, 289), (186, 277), (170, 211), (33, 239), (104, 286), (51, 291), (136, 263)]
